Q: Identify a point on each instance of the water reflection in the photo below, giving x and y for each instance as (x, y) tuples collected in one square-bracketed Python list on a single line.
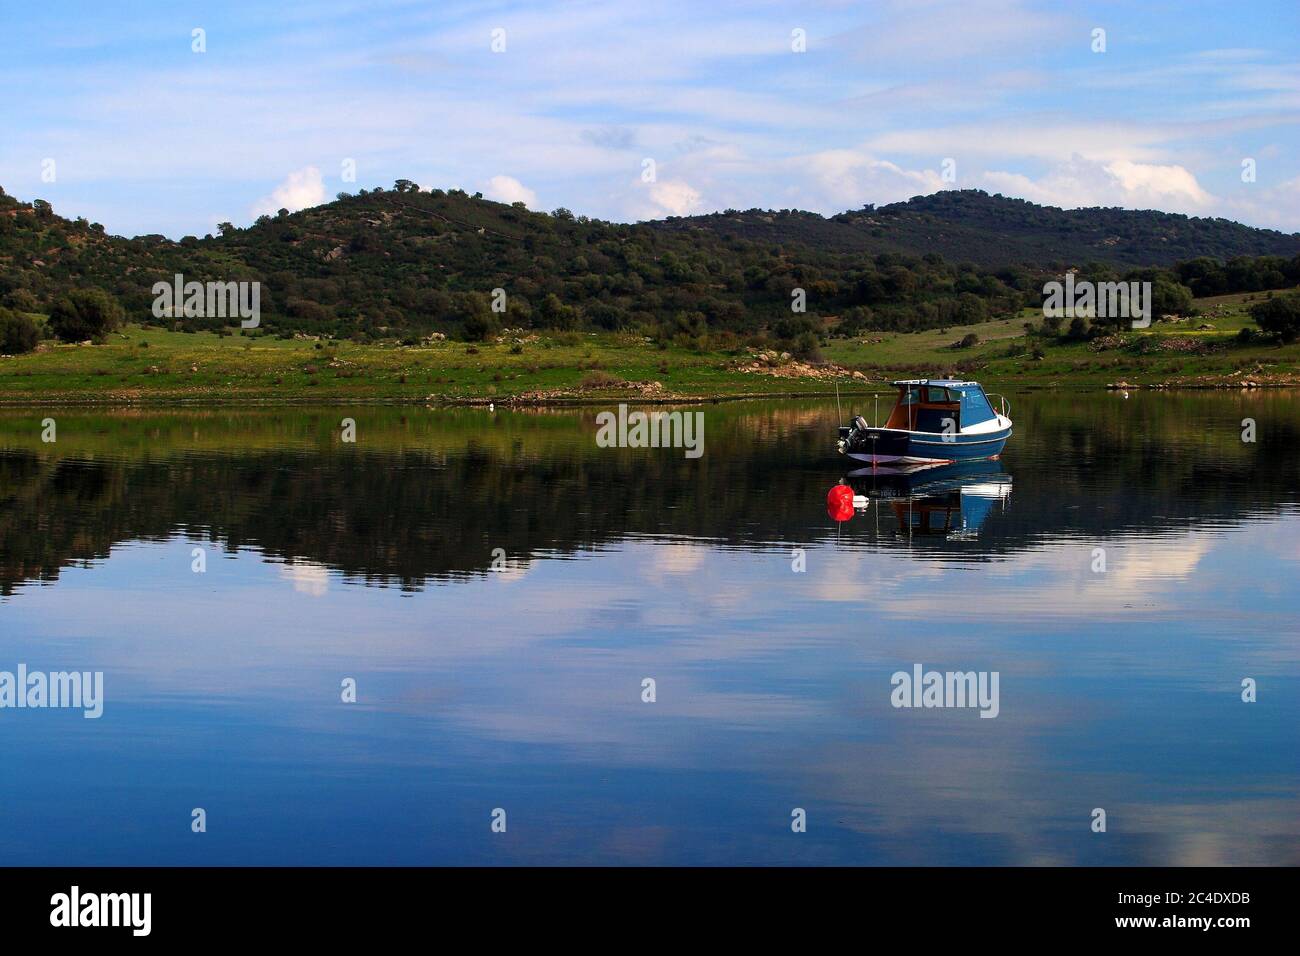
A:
[(949, 500), (521, 687)]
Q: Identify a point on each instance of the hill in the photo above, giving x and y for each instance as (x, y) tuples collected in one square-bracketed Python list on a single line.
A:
[(969, 225), (400, 264)]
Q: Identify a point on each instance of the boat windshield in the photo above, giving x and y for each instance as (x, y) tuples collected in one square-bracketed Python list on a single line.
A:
[(975, 407), (926, 395)]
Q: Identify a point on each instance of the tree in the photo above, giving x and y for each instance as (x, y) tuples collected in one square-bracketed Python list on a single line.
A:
[(555, 314), (1279, 316), (18, 333), (22, 300), (225, 228), (856, 319), (479, 321), (85, 314), (793, 326), (1170, 298), (971, 309), (606, 316)]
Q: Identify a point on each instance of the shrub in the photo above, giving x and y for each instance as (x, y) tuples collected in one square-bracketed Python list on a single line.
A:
[(599, 379), (85, 314), (1279, 316), (479, 325), (807, 347), (18, 333)]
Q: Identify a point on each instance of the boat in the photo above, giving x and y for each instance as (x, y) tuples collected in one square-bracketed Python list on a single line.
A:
[(934, 422)]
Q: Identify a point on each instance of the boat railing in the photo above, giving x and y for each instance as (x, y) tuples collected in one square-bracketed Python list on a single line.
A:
[(1002, 401)]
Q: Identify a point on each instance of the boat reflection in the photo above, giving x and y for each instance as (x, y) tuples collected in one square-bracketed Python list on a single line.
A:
[(949, 501)]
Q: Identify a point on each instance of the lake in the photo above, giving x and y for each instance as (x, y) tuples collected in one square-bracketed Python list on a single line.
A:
[(500, 590)]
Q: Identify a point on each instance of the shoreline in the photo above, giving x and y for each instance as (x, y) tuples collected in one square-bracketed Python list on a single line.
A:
[(149, 366), (159, 400)]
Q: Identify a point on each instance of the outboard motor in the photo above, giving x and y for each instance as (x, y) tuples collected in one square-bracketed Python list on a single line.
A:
[(847, 432)]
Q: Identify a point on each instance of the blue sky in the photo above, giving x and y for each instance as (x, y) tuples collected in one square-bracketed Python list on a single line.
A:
[(148, 136)]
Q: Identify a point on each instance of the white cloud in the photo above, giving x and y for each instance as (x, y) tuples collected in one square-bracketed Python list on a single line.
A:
[(301, 188), (1171, 182), (925, 32), (1038, 138), (1119, 182), (674, 197), (1275, 207), (844, 178), (508, 189)]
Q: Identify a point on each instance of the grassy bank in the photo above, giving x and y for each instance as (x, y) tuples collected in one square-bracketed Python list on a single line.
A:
[(142, 364)]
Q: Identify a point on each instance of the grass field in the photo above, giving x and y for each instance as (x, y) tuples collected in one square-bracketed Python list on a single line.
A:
[(157, 365)]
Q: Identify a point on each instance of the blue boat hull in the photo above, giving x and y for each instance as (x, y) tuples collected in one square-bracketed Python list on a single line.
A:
[(896, 446)]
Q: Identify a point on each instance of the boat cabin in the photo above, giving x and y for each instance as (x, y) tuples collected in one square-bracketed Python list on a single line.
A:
[(926, 405)]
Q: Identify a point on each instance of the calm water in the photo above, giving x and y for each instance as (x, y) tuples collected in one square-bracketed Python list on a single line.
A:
[(521, 688)]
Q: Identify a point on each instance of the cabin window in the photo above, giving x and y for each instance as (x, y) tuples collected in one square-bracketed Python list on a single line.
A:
[(975, 407)]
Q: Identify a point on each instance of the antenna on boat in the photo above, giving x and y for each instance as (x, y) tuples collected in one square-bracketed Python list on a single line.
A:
[(839, 414)]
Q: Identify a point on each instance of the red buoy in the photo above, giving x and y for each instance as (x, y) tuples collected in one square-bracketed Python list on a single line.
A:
[(839, 503)]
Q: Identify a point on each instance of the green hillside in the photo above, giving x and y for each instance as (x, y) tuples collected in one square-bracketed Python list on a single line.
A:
[(969, 225), (398, 265)]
